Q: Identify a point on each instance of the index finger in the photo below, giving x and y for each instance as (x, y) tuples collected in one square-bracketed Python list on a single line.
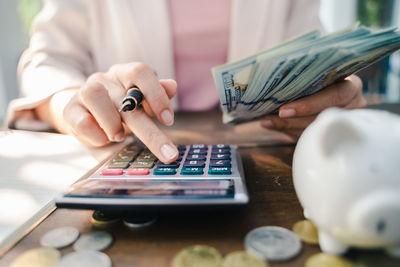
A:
[(148, 132), (142, 76)]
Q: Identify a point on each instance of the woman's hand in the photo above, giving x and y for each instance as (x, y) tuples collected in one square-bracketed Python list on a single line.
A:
[(295, 116), (92, 114)]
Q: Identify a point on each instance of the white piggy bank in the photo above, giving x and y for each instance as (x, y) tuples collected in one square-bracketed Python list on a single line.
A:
[(346, 172)]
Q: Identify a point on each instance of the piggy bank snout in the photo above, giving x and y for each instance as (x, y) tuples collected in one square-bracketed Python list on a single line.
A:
[(377, 217)]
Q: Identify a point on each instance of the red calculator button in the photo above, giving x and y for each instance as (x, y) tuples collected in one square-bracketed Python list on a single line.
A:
[(138, 171), (111, 171)]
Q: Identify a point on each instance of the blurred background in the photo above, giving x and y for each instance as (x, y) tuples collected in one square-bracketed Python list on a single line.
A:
[(381, 81)]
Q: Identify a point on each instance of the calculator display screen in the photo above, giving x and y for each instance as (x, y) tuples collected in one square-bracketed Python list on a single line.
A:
[(153, 188)]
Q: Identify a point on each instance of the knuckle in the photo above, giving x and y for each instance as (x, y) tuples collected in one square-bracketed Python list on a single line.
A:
[(93, 89), (302, 108), (157, 102), (153, 137), (342, 95), (95, 78), (285, 125), (279, 124), (356, 89), (138, 69), (114, 127), (114, 68), (358, 85), (84, 123)]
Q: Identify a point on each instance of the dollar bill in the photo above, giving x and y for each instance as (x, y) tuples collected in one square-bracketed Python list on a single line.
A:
[(259, 84), (233, 78)]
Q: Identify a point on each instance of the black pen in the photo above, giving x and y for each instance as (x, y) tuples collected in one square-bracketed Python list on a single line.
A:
[(132, 99)]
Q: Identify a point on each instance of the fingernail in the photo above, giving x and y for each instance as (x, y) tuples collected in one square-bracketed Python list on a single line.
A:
[(168, 151), (287, 113), (119, 136), (267, 124), (167, 117)]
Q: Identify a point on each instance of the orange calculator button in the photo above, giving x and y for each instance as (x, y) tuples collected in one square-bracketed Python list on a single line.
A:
[(112, 171), (137, 171)]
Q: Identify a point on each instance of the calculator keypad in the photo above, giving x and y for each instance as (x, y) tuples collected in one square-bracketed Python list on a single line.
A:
[(193, 160)]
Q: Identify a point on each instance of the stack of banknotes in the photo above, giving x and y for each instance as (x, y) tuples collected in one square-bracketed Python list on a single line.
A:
[(258, 85)]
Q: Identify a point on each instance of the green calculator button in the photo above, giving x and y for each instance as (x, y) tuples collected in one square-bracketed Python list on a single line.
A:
[(142, 164), (192, 171), (148, 157), (133, 149), (118, 164), (219, 170), (124, 158), (164, 171), (146, 152), (128, 154)]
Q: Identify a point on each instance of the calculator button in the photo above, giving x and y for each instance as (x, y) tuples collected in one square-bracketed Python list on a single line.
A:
[(219, 170), (198, 151), (220, 163), (196, 157), (124, 158), (194, 146), (168, 165), (147, 157), (146, 152), (138, 171), (164, 171), (194, 163), (112, 171), (181, 148), (220, 146), (133, 149), (221, 150), (220, 156), (128, 154), (191, 171), (181, 153), (118, 165), (142, 164)]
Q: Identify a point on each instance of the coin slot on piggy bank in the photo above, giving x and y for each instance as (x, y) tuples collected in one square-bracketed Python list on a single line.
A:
[(346, 176)]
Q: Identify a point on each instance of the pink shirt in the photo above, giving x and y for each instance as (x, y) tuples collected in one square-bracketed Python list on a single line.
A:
[(200, 35)]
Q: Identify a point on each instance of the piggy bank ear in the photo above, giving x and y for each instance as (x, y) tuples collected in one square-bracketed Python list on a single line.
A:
[(340, 134)]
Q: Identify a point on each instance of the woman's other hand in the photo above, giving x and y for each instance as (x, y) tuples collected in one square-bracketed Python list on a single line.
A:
[(295, 116)]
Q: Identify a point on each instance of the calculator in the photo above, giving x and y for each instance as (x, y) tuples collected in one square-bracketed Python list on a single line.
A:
[(203, 177)]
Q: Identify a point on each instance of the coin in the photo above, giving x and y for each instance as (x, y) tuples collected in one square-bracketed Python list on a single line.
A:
[(37, 257), (139, 220), (197, 256), (85, 258), (60, 237), (306, 231), (273, 243), (103, 219), (242, 259), (326, 260), (93, 241)]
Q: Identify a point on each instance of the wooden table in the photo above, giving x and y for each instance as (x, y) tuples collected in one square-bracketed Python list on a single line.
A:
[(267, 158)]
